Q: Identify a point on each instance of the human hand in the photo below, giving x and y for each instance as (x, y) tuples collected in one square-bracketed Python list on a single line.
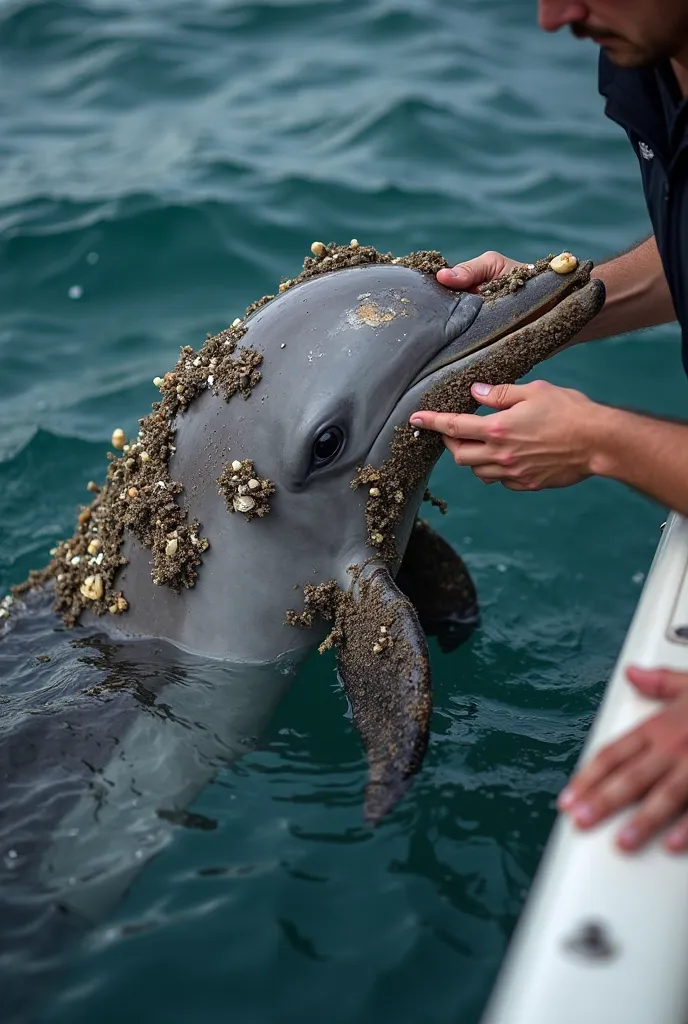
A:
[(543, 437), (648, 764), (468, 276)]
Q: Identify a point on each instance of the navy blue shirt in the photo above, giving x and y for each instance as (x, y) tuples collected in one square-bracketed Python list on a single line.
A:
[(650, 107)]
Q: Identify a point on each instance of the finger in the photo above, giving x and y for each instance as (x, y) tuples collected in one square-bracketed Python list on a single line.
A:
[(477, 454), (660, 683), (456, 447), (452, 446), (668, 798), (627, 784), (489, 473), (463, 424), (470, 275), (499, 396), (676, 840), (603, 764), (516, 485), (456, 450)]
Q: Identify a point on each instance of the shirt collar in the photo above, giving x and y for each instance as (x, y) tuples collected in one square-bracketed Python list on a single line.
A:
[(674, 103)]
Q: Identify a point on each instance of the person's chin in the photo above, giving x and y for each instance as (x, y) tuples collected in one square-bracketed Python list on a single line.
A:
[(624, 55)]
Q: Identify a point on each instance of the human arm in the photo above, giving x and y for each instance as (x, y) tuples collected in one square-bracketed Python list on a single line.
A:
[(555, 437), (637, 291), (648, 764), (547, 436), (637, 294)]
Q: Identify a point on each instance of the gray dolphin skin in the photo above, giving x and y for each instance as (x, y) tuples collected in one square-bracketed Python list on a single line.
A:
[(347, 356)]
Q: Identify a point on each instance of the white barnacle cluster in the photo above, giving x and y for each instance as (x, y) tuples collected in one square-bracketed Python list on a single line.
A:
[(119, 439), (92, 588), (131, 478), (5, 606), (243, 501), (564, 263), (243, 490), (384, 640)]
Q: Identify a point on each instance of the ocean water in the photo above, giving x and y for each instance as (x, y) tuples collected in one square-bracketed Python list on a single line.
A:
[(162, 164)]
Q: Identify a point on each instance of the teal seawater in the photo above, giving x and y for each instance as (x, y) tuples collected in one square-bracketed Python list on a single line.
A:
[(167, 162)]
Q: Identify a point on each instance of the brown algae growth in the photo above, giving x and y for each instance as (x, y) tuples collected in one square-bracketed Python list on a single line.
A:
[(510, 282), (342, 608), (338, 257), (138, 493), (385, 673), (331, 257)]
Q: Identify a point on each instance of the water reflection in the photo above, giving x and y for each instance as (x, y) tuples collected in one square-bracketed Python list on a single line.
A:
[(103, 747)]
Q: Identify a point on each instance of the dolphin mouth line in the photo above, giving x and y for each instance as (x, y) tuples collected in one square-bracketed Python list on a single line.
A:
[(578, 280), (530, 318)]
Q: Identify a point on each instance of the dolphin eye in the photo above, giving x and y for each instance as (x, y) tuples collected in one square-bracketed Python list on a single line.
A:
[(327, 446)]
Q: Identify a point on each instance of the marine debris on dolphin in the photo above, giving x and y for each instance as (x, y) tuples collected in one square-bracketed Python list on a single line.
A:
[(243, 490), (138, 493), (435, 344), (374, 621)]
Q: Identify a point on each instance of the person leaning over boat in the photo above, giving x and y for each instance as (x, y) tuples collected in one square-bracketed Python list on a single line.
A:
[(546, 436)]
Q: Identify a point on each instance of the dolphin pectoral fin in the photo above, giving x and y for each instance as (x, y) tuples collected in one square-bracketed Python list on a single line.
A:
[(437, 583), (385, 671)]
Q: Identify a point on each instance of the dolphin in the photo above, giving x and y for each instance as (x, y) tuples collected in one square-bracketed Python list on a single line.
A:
[(346, 357), (192, 672)]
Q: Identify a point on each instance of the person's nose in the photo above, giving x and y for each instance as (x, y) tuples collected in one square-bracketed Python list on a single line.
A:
[(554, 14)]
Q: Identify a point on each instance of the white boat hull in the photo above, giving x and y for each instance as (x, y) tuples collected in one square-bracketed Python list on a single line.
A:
[(604, 935)]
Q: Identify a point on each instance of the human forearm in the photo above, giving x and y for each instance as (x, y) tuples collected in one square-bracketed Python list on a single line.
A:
[(648, 454), (637, 294), (546, 436)]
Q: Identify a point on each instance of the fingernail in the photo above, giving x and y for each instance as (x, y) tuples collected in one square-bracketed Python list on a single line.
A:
[(448, 270), (566, 799), (583, 814), (416, 421), (482, 389), (629, 836)]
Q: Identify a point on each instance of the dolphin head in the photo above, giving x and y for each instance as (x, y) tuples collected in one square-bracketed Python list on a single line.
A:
[(346, 357)]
